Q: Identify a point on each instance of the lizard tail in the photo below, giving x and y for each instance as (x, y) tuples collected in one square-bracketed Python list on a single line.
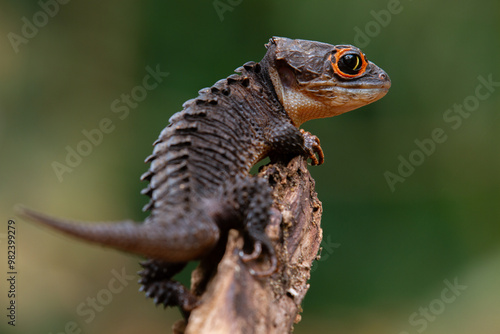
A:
[(148, 240)]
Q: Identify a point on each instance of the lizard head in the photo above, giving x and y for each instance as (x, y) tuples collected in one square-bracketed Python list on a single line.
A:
[(317, 80)]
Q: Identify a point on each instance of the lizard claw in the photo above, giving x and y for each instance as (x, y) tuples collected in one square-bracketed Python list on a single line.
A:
[(268, 272), (257, 249), (254, 255), (312, 145)]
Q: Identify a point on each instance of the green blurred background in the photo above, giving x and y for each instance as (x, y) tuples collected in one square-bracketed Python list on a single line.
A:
[(387, 253)]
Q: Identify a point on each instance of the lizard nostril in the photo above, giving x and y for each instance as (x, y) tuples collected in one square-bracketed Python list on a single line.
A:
[(382, 76)]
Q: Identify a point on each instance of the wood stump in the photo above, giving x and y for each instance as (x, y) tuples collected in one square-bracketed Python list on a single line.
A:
[(233, 301)]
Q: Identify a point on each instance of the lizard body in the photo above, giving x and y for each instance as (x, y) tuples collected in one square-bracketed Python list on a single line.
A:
[(199, 180)]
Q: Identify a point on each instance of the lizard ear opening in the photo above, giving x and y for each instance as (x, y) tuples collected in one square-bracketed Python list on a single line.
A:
[(283, 78), (287, 76)]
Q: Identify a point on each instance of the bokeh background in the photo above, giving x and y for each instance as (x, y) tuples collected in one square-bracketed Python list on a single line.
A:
[(387, 252)]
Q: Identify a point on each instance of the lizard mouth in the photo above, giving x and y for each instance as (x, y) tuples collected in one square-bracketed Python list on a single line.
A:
[(367, 84), (380, 81), (360, 91), (355, 96), (365, 87), (368, 88), (351, 91), (383, 86)]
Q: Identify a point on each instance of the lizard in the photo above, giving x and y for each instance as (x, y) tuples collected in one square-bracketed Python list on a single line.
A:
[(199, 176)]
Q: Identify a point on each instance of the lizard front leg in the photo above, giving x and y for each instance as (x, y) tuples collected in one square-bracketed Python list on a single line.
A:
[(288, 141)]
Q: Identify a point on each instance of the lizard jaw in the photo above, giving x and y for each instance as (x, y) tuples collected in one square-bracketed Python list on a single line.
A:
[(302, 106)]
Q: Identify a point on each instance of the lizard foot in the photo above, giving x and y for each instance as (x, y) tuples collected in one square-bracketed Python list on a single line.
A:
[(171, 293), (157, 284), (313, 147)]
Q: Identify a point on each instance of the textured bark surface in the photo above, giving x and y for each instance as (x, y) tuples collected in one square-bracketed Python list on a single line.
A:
[(234, 301)]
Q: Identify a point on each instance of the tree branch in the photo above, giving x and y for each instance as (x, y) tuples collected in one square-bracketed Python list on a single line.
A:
[(236, 302)]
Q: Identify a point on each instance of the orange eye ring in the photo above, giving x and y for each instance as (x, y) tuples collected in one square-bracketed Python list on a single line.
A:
[(349, 63)]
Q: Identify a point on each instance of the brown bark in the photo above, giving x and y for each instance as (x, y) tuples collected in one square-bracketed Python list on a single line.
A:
[(236, 302)]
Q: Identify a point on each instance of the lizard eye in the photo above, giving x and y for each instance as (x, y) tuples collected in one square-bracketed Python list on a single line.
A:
[(348, 64)]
